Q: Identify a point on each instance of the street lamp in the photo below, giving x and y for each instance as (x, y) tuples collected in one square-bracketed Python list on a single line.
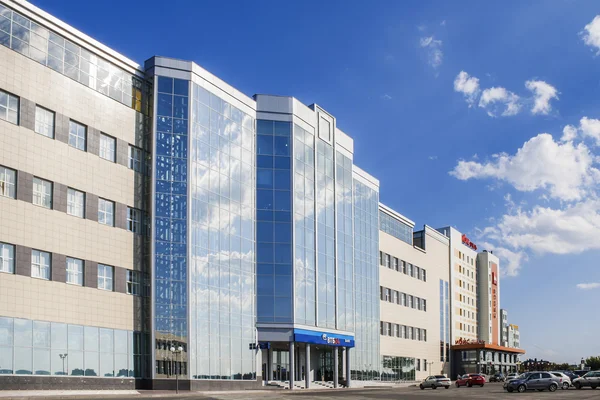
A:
[(62, 357), (176, 351)]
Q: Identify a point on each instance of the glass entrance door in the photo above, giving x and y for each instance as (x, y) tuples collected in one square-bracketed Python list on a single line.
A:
[(281, 365), (325, 371)]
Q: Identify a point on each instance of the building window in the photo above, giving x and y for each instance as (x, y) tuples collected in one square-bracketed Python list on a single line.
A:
[(411, 332), (74, 271), (424, 304), (424, 273), (395, 297), (105, 277), (417, 334), (389, 328), (136, 158), (381, 257), (381, 327), (134, 282), (107, 147), (387, 260), (417, 272), (9, 107), (409, 269), (403, 331), (417, 303), (387, 295), (7, 258), (44, 122), (403, 299), (424, 333), (42, 193), (410, 301), (40, 264), (75, 203), (106, 211), (424, 364), (418, 367), (77, 135), (134, 220), (395, 264), (7, 182)]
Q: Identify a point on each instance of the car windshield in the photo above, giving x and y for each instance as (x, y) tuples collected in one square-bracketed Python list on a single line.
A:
[(440, 377)]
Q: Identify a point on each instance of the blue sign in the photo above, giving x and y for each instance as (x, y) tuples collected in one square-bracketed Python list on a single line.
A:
[(323, 338), (264, 345)]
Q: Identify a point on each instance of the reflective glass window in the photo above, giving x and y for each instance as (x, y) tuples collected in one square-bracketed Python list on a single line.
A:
[(7, 258), (9, 107), (42, 193), (40, 264), (8, 182), (44, 122), (107, 147), (77, 135), (75, 203)]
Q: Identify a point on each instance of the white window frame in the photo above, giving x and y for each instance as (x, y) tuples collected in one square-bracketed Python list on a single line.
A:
[(136, 158), (104, 214), (40, 264), (42, 192), (134, 283), (75, 271), (9, 107), (106, 275), (77, 135), (44, 121), (134, 220), (108, 146), (7, 258), (8, 182), (74, 206)]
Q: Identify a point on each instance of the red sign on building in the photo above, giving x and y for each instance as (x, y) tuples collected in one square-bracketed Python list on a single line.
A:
[(468, 243)]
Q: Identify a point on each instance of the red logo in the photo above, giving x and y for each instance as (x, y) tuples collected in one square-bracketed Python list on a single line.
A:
[(494, 278), (467, 242)]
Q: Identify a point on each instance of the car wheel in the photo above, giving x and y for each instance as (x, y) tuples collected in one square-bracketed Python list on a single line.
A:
[(510, 390), (469, 384), (481, 385), (577, 385), (433, 387), (457, 385), (421, 387), (594, 386), (553, 387), (447, 387), (565, 385), (521, 389)]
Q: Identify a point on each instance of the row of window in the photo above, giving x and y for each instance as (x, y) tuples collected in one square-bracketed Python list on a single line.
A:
[(403, 299), (402, 331), (466, 285), (45, 125), (406, 268), (43, 197), (41, 267)]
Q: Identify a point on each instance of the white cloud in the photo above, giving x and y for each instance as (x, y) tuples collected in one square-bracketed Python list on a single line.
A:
[(588, 286), (563, 169), (591, 34), (386, 97), (433, 157), (510, 261), (542, 94), (443, 23), (492, 96), (434, 50), (569, 133), (590, 128), (468, 86)]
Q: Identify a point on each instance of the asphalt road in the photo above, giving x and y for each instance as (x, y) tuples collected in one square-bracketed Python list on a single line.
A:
[(489, 391)]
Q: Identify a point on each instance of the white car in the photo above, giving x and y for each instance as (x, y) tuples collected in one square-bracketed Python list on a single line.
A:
[(565, 381), (434, 382), (511, 376)]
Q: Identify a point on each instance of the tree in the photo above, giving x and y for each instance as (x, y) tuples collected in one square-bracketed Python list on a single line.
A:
[(593, 363)]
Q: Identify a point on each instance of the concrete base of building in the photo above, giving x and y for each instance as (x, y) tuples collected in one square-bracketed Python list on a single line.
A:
[(199, 385), (31, 382)]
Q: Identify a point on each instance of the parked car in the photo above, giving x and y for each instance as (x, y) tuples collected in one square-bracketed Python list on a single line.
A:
[(533, 381), (498, 377), (512, 375), (470, 380), (580, 372), (434, 382), (565, 381), (570, 374), (591, 379)]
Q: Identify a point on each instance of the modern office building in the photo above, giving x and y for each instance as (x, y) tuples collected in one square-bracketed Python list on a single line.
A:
[(514, 338), (503, 327), (317, 278), (488, 297), (414, 292), (463, 285)]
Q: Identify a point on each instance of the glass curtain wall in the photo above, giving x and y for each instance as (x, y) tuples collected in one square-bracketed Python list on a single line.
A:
[(444, 321), (304, 225), (397, 368), (170, 221), (274, 221), (222, 240), (365, 358), (345, 245), (326, 315)]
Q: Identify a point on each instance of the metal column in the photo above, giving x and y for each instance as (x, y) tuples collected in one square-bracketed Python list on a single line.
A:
[(270, 364), (292, 369), (347, 366), (336, 365), (307, 366)]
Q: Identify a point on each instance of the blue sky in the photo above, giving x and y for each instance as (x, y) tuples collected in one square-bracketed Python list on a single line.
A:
[(389, 72)]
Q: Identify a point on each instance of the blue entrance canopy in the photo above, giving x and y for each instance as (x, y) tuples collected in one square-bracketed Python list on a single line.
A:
[(323, 338)]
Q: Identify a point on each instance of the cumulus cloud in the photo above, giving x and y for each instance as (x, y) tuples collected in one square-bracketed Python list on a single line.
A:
[(542, 94), (588, 286), (590, 128), (591, 34), (511, 261), (492, 97), (434, 50), (468, 86), (569, 133), (565, 170)]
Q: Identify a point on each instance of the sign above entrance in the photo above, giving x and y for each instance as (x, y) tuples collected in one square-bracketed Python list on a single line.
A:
[(323, 338)]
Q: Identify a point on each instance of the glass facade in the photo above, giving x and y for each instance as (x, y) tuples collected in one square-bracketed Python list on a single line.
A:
[(222, 180), (397, 368), (444, 321), (304, 225), (48, 348), (274, 221), (397, 229), (345, 245), (170, 218), (364, 358)]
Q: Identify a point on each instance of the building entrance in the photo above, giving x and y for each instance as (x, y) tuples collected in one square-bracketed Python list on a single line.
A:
[(327, 365), (281, 365)]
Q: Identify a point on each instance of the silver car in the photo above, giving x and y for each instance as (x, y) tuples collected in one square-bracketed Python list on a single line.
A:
[(565, 381), (591, 379), (434, 382)]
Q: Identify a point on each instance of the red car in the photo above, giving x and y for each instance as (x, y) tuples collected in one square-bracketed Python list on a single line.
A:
[(470, 380)]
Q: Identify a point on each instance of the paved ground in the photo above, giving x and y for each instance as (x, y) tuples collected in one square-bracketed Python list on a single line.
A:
[(490, 391)]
